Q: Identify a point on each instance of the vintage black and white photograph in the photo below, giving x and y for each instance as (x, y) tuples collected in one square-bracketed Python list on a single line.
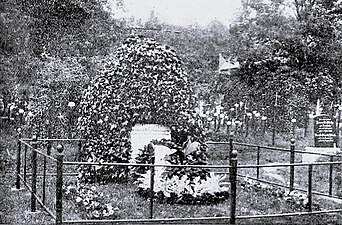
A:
[(196, 112)]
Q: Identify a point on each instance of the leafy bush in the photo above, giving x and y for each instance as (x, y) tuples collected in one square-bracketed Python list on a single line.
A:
[(144, 84)]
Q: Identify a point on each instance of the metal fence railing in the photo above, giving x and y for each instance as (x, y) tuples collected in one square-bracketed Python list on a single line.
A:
[(58, 162)]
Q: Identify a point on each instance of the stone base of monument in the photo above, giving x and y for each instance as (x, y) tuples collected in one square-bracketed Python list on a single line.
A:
[(309, 158)]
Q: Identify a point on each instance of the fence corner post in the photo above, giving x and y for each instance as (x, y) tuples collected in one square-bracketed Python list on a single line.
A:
[(59, 185), (17, 183), (292, 159), (233, 177), (34, 174)]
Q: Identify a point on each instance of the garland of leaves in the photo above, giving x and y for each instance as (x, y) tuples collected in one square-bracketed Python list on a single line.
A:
[(146, 84)]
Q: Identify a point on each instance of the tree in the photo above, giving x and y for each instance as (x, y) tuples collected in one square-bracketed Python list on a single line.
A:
[(261, 40), (69, 27), (320, 29), (49, 50)]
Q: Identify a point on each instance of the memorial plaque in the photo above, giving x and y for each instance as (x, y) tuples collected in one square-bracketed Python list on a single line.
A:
[(325, 131)]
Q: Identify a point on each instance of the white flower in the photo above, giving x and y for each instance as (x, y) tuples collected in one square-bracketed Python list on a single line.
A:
[(86, 201), (99, 121), (78, 199), (71, 104), (96, 214)]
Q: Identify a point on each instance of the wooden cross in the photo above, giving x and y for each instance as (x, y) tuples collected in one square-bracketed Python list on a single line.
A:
[(276, 99)]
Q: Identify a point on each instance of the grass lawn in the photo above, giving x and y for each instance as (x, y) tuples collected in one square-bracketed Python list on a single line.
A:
[(16, 205)]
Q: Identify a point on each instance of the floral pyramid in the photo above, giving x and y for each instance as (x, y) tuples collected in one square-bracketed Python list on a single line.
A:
[(144, 83)]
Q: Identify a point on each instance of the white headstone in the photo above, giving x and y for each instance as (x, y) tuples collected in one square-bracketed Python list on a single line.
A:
[(142, 134)]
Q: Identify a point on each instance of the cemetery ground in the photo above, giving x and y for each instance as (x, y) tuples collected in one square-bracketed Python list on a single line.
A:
[(15, 205)]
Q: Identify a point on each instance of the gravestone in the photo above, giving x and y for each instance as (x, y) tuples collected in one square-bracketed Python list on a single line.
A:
[(142, 134), (325, 131), (324, 137)]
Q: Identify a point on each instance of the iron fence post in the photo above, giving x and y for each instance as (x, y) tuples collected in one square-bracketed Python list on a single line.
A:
[(331, 175), (233, 176), (310, 188), (152, 173), (231, 135), (338, 128), (292, 159), (17, 183), (48, 152), (79, 148), (34, 174), (25, 166), (258, 161), (305, 125), (247, 125), (59, 185), (152, 188)]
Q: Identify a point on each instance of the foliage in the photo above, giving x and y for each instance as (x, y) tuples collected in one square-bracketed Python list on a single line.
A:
[(177, 190), (198, 157), (60, 84), (319, 25), (180, 185), (146, 83), (17, 66), (296, 198), (48, 52), (145, 156), (282, 56), (90, 201), (69, 27)]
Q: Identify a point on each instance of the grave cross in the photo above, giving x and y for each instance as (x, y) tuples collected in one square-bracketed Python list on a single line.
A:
[(276, 99)]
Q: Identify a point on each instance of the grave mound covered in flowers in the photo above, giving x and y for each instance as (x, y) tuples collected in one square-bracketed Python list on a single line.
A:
[(145, 83)]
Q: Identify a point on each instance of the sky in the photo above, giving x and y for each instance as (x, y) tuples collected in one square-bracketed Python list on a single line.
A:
[(179, 12)]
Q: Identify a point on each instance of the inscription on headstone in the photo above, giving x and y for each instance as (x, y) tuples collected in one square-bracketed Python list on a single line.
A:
[(142, 134), (325, 135)]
